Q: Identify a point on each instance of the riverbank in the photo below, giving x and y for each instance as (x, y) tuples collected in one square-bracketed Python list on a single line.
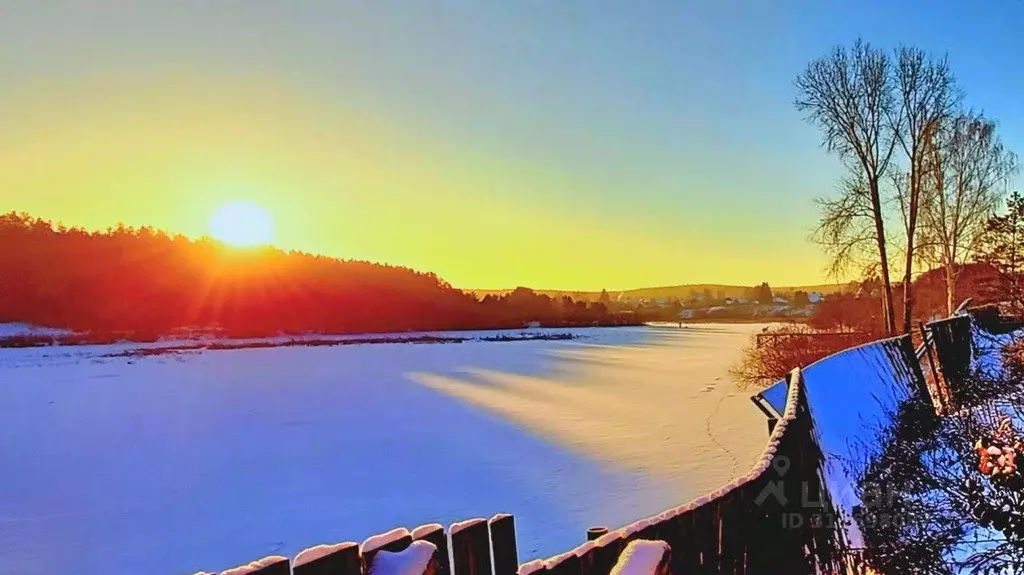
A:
[(31, 336), (215, 458), (425, 339)]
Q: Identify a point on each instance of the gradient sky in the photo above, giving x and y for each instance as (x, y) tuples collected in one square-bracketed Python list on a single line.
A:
[(573, 144)]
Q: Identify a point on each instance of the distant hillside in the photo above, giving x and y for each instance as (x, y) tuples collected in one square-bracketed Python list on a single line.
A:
[(149, 283), (679, 291)]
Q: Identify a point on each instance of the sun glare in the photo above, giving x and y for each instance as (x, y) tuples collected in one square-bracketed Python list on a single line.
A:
[(242, 224)]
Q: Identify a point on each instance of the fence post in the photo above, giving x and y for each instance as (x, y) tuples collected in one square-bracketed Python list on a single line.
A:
[(338, 559), (503, 544), (394, 540), (471, 547), (940, 386), (606, 552), (564, 564), (434, 533), (953, 345)]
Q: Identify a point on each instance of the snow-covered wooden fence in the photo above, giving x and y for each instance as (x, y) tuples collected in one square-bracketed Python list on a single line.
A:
[(755, 524)]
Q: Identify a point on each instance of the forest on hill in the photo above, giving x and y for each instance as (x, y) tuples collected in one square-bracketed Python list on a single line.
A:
[(148, 283), (684, 291)]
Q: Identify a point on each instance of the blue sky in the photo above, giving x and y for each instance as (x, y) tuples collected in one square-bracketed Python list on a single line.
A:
[(659, 138)]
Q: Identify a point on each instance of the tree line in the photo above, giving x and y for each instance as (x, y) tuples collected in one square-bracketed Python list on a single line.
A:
[(150, 282), (924, 171), (916, 215)]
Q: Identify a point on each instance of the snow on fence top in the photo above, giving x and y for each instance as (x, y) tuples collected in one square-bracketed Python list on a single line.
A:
[(722, 531), (272, 565), (643, 557)]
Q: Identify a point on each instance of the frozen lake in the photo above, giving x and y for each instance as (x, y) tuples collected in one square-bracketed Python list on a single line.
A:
[(205, 460)]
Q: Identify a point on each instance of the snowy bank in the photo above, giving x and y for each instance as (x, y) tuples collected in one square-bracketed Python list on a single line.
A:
[(186, 462)]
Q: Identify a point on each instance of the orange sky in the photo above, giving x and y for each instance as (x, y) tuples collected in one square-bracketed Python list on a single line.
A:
[(495, 148), (339, 182)]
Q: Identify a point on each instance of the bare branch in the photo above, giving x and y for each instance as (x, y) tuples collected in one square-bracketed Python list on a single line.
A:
[(927, 94), (966, 167), (848, 94)]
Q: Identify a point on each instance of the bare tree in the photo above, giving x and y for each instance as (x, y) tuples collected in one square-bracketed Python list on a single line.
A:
[(846, 229), (927, 94), (966, 171), (848, 94)]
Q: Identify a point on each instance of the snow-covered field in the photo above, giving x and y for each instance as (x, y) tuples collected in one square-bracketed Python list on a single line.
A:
[(205, 460), (23, 329)]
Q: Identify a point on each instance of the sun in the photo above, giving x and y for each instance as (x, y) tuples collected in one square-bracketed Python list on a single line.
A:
[(242, 224)]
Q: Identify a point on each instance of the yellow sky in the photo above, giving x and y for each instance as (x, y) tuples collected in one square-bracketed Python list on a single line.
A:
[(343, 182), (555, 145)]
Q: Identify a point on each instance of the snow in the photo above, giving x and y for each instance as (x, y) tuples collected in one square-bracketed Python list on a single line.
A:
[(463, 525), (640, 557), (317, 552), (531, 567), (255, 565), (413, 560), (609, 538), (425, 529), (207, 460), (585, 548), (554, 563), (377, 541), (24, 329)]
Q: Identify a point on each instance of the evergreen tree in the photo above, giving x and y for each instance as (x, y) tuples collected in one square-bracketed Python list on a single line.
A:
[(800, 298), (1002, 247)]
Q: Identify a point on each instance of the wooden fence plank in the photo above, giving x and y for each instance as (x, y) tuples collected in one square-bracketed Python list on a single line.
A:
[(606, 552), (705, 533), (763, 525), (645, 557), (734, 519), (394, 540), (665, 524), (669, 531), (564, 564), (685, 551), (337, 559), (586, 553), (503, 544), (434, 532), (471, 548), (648, 529)]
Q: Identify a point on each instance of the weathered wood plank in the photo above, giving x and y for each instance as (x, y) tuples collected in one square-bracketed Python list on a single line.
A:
[(504, 554), (586, 554), (685, 551), (337, 559), (434, 532), (644, 557), (564, 564), (734, 520), (606, 552), (395, 540), (471, 547), (705, 533)]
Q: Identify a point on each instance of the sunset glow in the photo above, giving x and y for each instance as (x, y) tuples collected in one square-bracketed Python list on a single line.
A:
[(512, 155), (242, 224)]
